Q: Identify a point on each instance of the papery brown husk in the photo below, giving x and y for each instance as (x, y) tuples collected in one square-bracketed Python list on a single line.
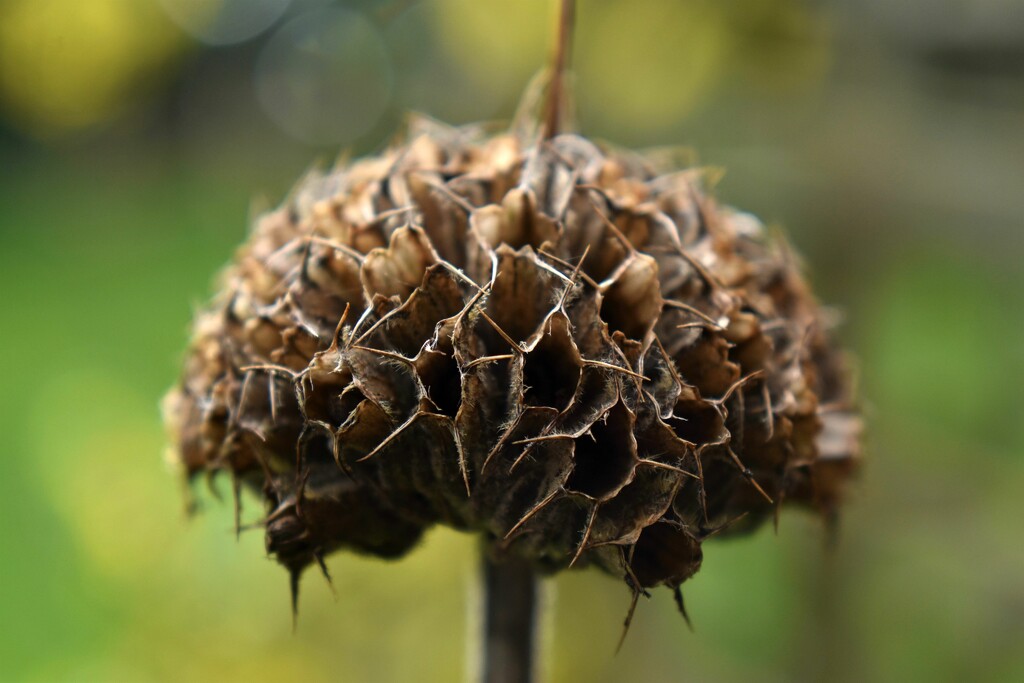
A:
[(560, 346)]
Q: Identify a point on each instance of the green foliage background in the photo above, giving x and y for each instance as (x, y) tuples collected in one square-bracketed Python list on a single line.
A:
[(898, 176)]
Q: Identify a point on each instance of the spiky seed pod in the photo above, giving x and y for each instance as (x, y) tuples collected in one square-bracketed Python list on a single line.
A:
[(548, 342)]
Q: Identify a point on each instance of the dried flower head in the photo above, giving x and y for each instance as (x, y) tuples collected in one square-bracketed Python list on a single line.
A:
[(554, 344)]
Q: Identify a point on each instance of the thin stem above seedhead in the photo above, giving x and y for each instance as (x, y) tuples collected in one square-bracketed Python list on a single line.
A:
[(555, 109)]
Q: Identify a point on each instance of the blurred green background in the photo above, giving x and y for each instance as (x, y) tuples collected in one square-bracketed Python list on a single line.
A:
[(888, 138)]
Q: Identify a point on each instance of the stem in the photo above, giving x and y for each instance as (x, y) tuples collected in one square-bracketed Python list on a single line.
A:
[(510, 614), (556, 91)]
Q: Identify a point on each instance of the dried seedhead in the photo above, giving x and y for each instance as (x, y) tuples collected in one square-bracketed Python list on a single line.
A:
[(547, 342)]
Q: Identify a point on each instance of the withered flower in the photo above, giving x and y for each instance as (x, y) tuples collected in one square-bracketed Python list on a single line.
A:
[(550, 343), (557, 345)]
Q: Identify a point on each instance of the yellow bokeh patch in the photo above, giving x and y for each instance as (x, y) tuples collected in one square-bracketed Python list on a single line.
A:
[(70, 64), (98, 460), (642, 63)]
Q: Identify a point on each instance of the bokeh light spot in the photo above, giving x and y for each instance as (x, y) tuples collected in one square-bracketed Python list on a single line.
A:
[(223, 22), (429, 77), (325, 77), (682, 48), (67, 65), (500, 45), (94, 473)]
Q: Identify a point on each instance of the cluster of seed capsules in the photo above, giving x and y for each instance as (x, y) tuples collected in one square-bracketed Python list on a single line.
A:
[(561, 346)]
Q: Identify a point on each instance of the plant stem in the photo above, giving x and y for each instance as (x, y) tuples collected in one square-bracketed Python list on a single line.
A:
[(563, 47), (510, 616)]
